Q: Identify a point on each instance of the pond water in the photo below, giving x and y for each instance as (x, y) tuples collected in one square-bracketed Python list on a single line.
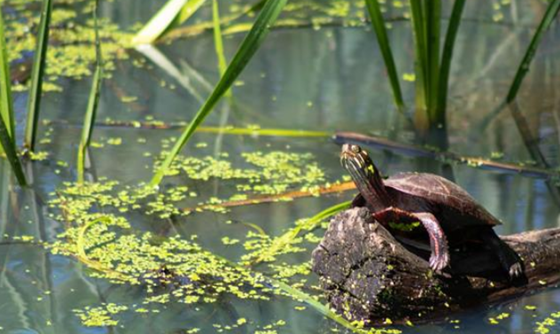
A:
[(318, 79)]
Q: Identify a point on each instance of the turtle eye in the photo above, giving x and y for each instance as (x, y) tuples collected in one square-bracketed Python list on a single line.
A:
[(355, 148)]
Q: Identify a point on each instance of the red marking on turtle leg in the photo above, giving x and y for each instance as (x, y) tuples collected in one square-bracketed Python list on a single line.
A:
[(392, 214), (438, 242)]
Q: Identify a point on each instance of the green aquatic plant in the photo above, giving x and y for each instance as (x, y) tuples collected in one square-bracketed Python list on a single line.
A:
[(523, 68), (266, 249), (378, 25), (172, 14), (6, 103), (109, 244), (431, 70), (270, 173), (89, 117), (35, 90), (7, 128), (249, 46)]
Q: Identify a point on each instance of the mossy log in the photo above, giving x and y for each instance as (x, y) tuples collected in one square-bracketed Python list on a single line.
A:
[(370, 276)]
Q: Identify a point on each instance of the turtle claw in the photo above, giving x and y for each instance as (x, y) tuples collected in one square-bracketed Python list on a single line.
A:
[(516, 270), (438, 263)]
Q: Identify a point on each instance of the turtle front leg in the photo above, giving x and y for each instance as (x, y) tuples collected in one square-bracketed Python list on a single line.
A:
[(439, 258), (438, 242)]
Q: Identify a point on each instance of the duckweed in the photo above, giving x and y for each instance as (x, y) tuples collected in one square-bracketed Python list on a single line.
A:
[(100, 234), (270, 173)]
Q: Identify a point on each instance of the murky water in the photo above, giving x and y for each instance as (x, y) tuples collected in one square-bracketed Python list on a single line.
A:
[(326, 79)]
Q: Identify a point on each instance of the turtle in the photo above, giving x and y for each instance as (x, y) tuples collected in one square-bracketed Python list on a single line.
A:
[(405, 201)]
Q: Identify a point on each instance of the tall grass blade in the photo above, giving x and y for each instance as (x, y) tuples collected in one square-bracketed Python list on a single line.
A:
[(173, 13), (310, 224), (299, 295), (10, 150), (447, 55), (157, 57), (432, 15), (249, 46), (34, 99), (421, 59), (317, 306), (7, 129), (378, 25), (548, 18), (6, 104), (89, 118), (219, 44)]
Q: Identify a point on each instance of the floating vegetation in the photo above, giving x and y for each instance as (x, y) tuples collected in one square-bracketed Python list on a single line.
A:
[(70, 53), (268, 173), (544, 327), (175, 269)]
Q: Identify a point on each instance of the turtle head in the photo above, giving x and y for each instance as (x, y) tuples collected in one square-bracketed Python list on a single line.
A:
[(365, 175), (354, 158)]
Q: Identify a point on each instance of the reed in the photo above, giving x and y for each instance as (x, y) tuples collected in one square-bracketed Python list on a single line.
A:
[(378, 25), (7, 128), (432, 66), (93, 102), (172, 14), (248, 48), (523, 68), (35, 90), (6, 103)]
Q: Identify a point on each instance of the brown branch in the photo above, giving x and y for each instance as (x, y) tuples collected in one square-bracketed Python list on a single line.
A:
[(414, 150), (287, 196)]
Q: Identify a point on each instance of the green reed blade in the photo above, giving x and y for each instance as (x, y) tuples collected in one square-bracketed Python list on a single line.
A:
[(10, 150), (7, 128), (548, 18), (93, 101), (421, 61), (315, 304), (173, 13), (299, 295), (310, 224), (432, 10), (447, 55), (218, 42), (249, 46), (35, 91), (378, 25), (6, 104)]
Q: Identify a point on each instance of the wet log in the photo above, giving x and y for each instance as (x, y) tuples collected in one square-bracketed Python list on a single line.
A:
[(369, 276)]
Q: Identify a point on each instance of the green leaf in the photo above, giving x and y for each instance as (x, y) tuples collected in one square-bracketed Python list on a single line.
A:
[(6, 104), (447, 55), (10, 150), (249, 46), (548, 18), (378, 25), (89, 118), (219, 44), (34, 99), (173, 13), (421, 56)]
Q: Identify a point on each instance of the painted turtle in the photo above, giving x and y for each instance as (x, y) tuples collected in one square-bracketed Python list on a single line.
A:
[(407, 200)]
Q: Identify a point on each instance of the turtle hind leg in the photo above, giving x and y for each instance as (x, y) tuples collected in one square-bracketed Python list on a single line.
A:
[(509, 259)]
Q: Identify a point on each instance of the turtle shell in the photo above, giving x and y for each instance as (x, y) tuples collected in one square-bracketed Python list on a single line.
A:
[(440, 192)]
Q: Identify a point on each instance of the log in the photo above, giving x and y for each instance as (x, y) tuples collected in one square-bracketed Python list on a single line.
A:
[(369, 276)]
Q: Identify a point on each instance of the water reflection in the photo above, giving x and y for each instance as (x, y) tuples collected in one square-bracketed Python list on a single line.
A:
[(328, 79)]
